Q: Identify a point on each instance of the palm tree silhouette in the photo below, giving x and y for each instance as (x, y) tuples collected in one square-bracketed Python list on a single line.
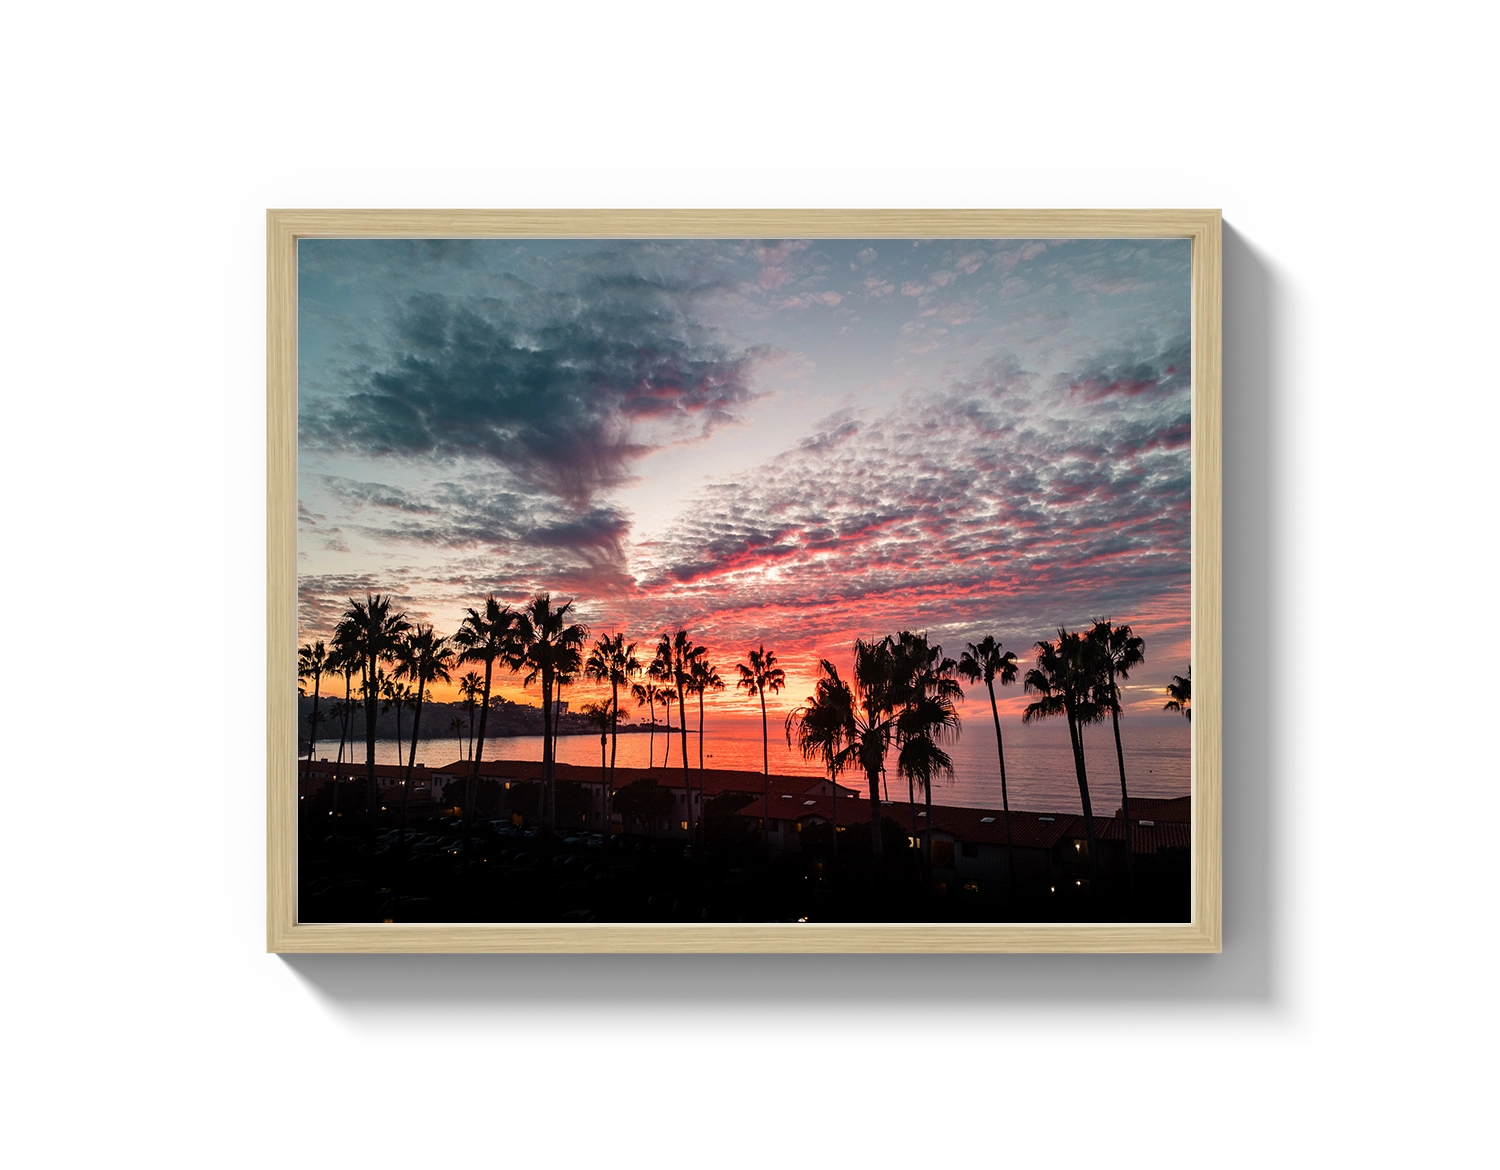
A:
[(373, 630), (398, 697), (645, 696), (666, 696), (987, 660), (613, 660), (343, 658), (598, 715), (493, 633), (551, 645), (927, 718), (312, 661), (568, 666), (820, 729), (864, 716), (757, 676), (1065, 680), (1119, 650), (675, 655), (425, 657), (1180, 690), (470, 690), (704, 678)]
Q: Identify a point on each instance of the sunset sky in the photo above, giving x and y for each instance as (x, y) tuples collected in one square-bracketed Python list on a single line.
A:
[(796, 442)]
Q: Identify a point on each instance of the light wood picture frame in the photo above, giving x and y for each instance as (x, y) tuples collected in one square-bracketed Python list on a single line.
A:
[(286, 934)]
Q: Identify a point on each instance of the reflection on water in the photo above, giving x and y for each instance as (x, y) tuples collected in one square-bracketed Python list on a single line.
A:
[(1038, 759)]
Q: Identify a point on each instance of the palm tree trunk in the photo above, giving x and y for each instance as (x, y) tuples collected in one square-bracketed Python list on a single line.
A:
[(411, 763), (872, 774), (927, 845), (765, 760), (614, 747), (312, 731), (472, 795), (701, 787), (834, 780), (1010, 862), (345, 724), (1114, 715), (687, 776), (546, 803), (651, 735), (911, 806), (1081, 766), (372, 714)]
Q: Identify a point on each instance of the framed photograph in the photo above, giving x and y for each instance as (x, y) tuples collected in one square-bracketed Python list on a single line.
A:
[(743, 581)]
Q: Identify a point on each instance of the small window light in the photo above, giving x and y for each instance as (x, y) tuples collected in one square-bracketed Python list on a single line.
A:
[(986, 820), (1078, 845), (1078, 883), (1046, 818), (923, 813), (786, 796), (1148, 824), (807, 803)]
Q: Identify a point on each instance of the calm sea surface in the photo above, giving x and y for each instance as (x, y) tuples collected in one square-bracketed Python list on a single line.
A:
[(1038, 761)]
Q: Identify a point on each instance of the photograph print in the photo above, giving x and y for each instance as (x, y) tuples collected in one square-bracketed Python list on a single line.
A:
[(808, 580)]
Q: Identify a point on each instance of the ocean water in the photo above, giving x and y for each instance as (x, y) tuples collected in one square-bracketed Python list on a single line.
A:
[(1038, 760)]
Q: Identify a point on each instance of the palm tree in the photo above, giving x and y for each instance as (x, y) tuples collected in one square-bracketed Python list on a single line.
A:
[(343, 658), (598, 714), (666, 696), (493, 633), (312, 661), (645, 696), (398, 697), (862, 717), (373, 630), (456, 726), (425, 657), (470, 689), (988, 661), (675, 656), (820, 729), (549, 643), (757, 676), (1180, 692), (612, 660), (568, 666), (927, 718), (1066, 682), (1119, 650), (705, 678)]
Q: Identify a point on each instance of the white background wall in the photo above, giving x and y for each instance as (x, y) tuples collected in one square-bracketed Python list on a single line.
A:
[(1351, 1015)]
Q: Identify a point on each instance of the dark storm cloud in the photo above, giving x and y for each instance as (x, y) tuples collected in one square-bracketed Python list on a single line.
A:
[(564, 389)]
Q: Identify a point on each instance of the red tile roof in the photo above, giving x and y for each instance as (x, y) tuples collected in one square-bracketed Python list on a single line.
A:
[(1151, 808)]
